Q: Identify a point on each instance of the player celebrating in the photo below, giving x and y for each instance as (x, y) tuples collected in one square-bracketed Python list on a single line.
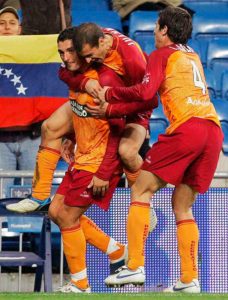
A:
[(186, 156)]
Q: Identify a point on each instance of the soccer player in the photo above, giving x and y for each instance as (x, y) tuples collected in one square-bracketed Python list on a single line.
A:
[(95, 158), (115, 50), (185, 156)]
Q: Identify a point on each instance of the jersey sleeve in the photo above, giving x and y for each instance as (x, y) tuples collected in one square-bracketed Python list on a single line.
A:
[(134, 62), (148, 87), (111, 162), (118, 110), (75, 80)]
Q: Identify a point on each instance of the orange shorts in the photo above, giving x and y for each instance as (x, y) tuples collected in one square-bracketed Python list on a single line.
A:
[(74, 188)]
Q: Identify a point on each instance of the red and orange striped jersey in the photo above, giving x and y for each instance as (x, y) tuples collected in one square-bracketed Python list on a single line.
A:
[(91, 134), (177, 74)]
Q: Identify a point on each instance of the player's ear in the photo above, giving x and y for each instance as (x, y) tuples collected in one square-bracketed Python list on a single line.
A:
[(164, 30), (101, 41)]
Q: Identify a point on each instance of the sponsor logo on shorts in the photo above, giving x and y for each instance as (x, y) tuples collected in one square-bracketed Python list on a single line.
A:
[(79, 109), (84, 195)]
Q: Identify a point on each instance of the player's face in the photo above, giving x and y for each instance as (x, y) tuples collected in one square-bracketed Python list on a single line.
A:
[(160, 36), (94, 54), (68, 55), (9, 24)]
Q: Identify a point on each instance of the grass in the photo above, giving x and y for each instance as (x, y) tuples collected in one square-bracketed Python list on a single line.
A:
[(113, 296)]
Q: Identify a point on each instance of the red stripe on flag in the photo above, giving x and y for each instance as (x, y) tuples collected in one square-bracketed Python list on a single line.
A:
[(25, 111)]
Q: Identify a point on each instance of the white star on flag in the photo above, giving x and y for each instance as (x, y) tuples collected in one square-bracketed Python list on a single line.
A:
[(21, 89), (8, 73), (1, 70), (16, 79)]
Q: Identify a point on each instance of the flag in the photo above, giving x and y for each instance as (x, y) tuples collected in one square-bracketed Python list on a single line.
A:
[(30, 89)]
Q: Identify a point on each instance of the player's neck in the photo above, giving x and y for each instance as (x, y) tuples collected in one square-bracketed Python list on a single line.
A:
[(108, 41)]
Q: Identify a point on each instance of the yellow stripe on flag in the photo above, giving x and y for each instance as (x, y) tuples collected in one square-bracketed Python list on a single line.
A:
[(29, 49)]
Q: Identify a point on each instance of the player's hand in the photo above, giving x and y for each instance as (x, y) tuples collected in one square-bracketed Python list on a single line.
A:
[(67, 150), (92, 87), (99, 186), (101, 93), (97, 111)]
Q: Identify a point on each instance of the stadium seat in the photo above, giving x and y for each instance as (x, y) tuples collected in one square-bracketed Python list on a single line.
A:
[(225, 86), (61, 166), (141, 28), (90, 5), (210, 24), (158, 124), (217, 60), (42, 261), (211, 82), (194, 44), (222, 111), (225, 141), (105, 18), (156, 127)]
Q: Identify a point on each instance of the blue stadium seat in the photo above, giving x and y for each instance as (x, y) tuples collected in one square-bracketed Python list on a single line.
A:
[(194, 44), (203, 6), (222, 111), (217, 59), (61, 166), (225, 141), (158, 123), (90, 5), (105, 18), (211, 82), (141, 28), (158, 115), (225, 86), (210, 24), (156, 127)]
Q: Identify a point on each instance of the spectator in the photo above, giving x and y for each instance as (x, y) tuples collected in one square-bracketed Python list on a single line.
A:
[(9, 21), (45, 16), (18, 145), (125, 7), (13, 3)]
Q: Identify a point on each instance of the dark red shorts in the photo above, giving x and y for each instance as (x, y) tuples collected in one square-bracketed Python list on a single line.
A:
[(140, 119), (74, 188), (189, 155)]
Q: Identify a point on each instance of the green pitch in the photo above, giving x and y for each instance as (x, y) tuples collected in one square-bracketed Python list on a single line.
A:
[(146, 296)]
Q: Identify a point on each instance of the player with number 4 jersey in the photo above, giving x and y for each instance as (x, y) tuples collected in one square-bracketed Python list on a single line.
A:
[(185, 156)]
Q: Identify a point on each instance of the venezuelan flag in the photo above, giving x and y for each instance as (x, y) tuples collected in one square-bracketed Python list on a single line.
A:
[(30, 89)]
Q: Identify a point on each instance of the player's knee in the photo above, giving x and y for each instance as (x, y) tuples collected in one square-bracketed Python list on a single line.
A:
[(53, 214), (46, 128), (180, 211), (128, 154)]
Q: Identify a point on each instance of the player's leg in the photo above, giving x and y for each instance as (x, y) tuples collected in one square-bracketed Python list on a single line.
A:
[(187, 239), (137, 230), (130, 144), (53, 129), (206, 142), (94, 235), (74, 244)]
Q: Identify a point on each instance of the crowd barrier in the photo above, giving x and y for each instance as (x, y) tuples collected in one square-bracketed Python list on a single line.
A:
[(162, 262)]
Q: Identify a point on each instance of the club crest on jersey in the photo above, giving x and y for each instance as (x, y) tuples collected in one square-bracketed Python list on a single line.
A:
[(146, 78), (79, 109)]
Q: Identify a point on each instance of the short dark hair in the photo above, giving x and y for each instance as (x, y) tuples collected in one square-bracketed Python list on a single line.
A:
[(87, 33), (179, 23), (66, 34)]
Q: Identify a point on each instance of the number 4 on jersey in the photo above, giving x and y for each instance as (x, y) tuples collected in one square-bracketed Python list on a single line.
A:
[(197, 77)]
